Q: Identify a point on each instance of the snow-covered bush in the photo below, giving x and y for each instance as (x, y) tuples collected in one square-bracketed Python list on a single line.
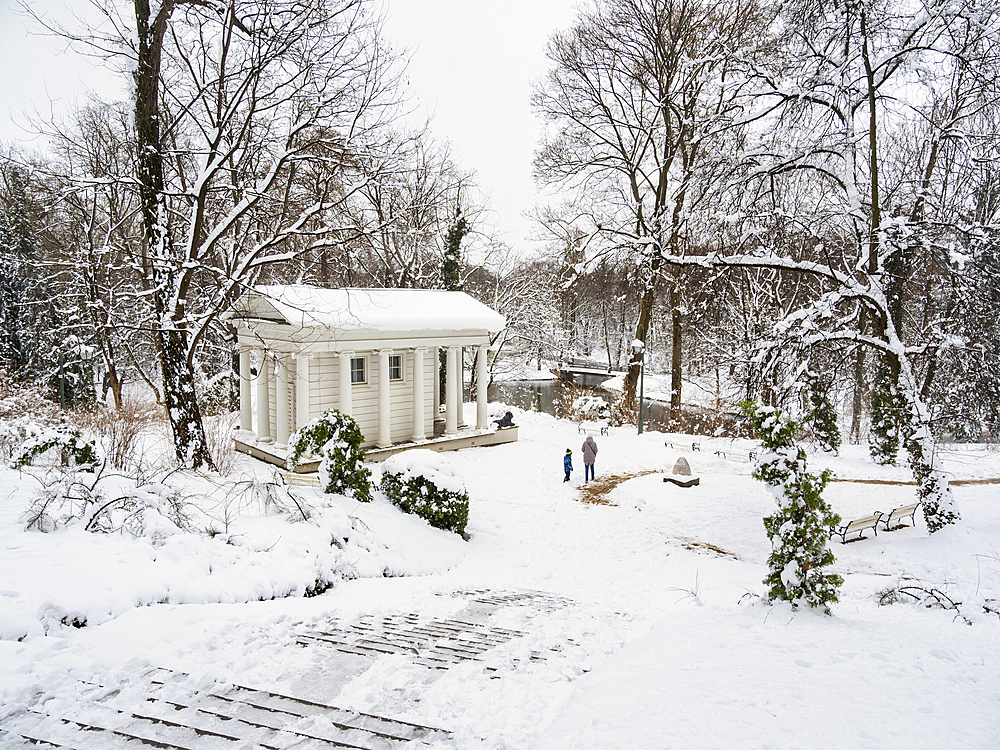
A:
[(120, 432), (219, 435), (592, 407), (256, 496), (425, 484), (68, 442), (336, 440), (800, 529), (104, 503), (24, 413), (933, 490)]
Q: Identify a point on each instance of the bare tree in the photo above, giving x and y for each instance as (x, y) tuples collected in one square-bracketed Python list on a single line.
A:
[(255, 120), (839, 89), (647, 99)]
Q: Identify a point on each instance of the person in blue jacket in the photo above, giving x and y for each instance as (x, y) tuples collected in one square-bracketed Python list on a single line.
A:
[(568, 463)]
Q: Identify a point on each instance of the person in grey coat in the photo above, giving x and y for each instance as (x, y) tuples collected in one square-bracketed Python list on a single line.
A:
[(589, 456)]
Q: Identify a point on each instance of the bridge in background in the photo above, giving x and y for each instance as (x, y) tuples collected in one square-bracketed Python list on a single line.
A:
[(570, 369)]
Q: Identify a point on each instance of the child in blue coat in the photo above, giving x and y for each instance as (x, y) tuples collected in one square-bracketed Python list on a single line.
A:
[(568, 463)]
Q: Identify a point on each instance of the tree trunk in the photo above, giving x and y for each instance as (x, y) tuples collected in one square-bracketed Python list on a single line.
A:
[(676, 358), (641, 332), (115, 384), (180, 399), (857, 403), (190, 444)]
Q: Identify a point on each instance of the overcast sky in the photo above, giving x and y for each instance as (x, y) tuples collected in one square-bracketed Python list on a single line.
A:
[(471, 67)]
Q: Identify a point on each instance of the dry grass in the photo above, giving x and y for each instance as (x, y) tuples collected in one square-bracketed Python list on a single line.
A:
[(121, 431), (596, 490), (696, 545)]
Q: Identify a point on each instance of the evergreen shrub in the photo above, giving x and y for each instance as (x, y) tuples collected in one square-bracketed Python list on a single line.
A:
[(80, 451), (592, 407), (423, 483), (336, 440), (822, 415), (800, 529), (888, 416)]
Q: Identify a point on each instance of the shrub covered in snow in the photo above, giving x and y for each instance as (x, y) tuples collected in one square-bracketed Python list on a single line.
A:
[(592, 407), (120, 432), (24, 413), (336, 440), (104, 503), (67, 441), (425, 484), (800, 529)]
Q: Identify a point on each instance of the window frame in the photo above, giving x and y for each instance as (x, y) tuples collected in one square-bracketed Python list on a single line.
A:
[(402, 368), (364, 370)]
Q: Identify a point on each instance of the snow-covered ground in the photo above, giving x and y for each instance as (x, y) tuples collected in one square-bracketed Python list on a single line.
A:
[(663, 642)]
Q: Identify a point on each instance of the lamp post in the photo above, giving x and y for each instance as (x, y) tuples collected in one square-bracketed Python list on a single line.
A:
[(639, 350)]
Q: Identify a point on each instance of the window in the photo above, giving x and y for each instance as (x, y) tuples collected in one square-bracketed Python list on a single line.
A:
[(395, 367), (358, 373)]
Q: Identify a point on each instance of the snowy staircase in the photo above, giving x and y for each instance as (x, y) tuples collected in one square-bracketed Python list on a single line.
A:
[(537, 600), (435, 643), (227, 716)]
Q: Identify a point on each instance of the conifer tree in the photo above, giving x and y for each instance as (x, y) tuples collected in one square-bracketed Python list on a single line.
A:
[(800, 529), (822, 415), (451, 266), (887, 412), (451, 274)]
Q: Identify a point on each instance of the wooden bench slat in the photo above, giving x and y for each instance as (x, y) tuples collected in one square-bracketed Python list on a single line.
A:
[(898, 514), (858, 526)]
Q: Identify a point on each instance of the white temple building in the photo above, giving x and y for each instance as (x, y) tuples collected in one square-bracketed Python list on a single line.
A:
[(370, 353)]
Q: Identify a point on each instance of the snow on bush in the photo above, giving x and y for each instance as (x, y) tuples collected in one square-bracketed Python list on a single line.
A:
[(104, 503), (68, 442), (800, 529), (425, 484), (72, 577), (592, 407), (888, 414), (336, 440), (23, 414)]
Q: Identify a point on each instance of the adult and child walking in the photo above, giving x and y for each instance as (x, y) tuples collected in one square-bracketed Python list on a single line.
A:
[(589, 458)]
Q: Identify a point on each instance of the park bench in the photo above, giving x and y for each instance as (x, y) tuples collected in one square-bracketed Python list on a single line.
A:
[(293, 479), (696, 446), (892, 521), (858, 526), (749, 457), (589, 427)]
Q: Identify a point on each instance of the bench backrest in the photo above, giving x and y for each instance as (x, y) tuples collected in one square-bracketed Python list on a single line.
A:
[(905, 510), (865, 522)]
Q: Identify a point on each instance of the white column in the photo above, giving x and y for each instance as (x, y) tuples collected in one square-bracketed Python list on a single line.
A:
[(419, 430), (345, 403), (246, 409), (264, 398), (460, 369), (281, 396), (302, 401), (482, 380), (451, 393), (384, 413), (436, 411)]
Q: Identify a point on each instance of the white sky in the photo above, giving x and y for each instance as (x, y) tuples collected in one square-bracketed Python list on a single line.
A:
[(471, 67)]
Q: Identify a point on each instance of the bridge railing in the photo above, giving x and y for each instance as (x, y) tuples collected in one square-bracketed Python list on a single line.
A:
[(584, 364)]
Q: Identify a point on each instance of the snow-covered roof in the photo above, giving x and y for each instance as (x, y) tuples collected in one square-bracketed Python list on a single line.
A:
[(402, 310)]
